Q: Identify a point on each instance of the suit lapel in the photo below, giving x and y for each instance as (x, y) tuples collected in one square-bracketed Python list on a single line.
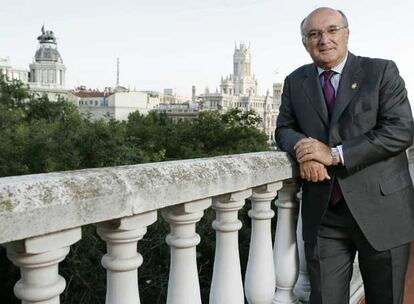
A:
[(349, 84), (312, 87)]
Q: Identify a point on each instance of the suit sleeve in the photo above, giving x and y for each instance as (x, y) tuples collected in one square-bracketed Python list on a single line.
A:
[(393, 132), (287, 129)]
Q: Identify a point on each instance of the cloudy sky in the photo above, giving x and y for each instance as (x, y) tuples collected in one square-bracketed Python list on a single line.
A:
[(180, 43)]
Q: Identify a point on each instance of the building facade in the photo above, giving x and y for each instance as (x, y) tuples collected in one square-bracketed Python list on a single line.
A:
[(186, 111), (169, 97), (240, 90), (113, 104), (11, 73), (47, 74)]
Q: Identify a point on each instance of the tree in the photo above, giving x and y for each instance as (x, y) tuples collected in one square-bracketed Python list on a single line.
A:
[(37, 136), (13, 93)]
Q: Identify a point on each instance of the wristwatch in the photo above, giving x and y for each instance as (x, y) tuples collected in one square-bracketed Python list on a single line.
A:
[(336, 159)]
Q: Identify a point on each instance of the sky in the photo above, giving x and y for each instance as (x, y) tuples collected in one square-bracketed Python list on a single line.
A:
[(180, 43)]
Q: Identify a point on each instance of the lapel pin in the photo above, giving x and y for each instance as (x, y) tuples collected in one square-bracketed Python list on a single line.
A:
[(354, 85)]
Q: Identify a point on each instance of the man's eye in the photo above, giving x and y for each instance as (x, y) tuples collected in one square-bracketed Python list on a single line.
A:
[(313, 34), (333, 31)]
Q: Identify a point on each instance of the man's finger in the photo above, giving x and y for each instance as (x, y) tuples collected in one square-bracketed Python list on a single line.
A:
[(301, 142), (308, 175), (303, 150), (302, 172), (307, 148), (314, 176), (300, 155), (306, 157), (321, 175)]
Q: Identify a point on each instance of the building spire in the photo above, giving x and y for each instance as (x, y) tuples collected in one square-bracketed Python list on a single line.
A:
[(117, 72)]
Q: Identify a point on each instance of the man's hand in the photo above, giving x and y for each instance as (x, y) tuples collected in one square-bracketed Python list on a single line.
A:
[(313, 171), (312, 149)]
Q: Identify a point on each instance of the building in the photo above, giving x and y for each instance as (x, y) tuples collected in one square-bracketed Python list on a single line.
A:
[(113, 104), (180, 111), (12, 73), (168, 96), (240, 90), (241, 82), (47, 72)]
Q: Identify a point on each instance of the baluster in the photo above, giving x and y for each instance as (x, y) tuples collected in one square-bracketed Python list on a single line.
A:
[(38, 259), (183, 285), (302, 287), (227, 285), (285, 248), (122, 259), (260, 275), (357, 286)]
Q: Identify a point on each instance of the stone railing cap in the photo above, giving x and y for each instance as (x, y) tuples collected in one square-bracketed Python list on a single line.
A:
[(32, 205)]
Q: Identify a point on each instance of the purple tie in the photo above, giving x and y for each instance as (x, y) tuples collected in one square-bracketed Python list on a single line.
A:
[(329, 93)]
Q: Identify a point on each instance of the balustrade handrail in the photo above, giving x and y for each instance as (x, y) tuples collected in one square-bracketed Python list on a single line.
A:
[(33, 205), (41, 216)]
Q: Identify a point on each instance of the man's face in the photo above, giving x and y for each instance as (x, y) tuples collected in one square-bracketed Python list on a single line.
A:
[(326, 37)]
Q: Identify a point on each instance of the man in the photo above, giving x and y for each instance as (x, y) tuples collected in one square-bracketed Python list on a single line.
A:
[(347, 122)]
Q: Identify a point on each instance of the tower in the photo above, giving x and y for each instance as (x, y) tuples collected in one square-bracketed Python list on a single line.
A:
[(244, 82), (277, 93), (117, 72), (242, 61), (47, 69), (193, 93)]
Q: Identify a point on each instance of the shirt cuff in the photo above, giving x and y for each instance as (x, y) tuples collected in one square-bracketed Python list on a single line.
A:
[(341, 154)]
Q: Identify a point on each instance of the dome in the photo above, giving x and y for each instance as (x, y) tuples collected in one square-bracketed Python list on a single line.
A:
[(47, 47), (45, 53)]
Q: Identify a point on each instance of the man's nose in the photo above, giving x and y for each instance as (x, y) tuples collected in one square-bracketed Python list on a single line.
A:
[(324, 37)]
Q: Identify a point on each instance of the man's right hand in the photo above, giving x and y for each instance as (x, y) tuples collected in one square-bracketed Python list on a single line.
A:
[(313, 171)]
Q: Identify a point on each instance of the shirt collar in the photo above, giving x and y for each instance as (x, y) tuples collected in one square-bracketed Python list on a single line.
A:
[(337, 69)]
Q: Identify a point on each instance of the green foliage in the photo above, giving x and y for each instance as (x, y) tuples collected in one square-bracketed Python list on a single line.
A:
[(12, 93), (38, 136)]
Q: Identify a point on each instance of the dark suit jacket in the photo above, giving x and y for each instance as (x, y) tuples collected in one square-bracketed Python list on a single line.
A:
[(372, 121)]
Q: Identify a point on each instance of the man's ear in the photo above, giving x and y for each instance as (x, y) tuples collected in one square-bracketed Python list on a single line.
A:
[(347, 33)]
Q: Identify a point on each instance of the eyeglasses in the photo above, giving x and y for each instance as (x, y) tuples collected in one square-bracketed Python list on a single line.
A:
[(332, 31)]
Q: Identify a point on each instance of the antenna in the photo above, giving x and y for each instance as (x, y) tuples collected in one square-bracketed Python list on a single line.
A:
[(117, 71)]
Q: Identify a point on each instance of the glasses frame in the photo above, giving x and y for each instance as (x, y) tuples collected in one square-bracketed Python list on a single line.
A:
[(316, 35)]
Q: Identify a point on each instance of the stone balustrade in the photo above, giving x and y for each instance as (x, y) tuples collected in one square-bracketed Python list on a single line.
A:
[(41, 217)]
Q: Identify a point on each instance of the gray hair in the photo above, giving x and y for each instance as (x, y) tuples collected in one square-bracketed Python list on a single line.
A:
[(302, 24)]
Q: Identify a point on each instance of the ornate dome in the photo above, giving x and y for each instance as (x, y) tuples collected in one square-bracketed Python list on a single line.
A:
[(47, 48), (47, 53)]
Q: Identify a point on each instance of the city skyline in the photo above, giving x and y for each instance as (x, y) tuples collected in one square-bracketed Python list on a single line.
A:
[(178, 44)]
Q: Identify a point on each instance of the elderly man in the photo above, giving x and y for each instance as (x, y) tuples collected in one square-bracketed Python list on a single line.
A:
[(347, 121)]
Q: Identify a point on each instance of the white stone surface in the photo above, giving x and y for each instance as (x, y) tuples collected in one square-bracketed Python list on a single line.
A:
[(259, 283), (126, 195), (285, 248), (357, 286), (122, 259), (226, 284), (38, 260), (183, 284), (75, 198), (302, 287)]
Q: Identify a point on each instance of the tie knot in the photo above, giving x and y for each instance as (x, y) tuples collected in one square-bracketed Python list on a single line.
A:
[(327, 75)]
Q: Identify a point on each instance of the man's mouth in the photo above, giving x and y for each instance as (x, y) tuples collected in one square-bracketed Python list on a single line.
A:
[(326, 50)]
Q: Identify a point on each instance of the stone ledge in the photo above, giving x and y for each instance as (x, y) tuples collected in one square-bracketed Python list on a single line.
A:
[(33, 205)]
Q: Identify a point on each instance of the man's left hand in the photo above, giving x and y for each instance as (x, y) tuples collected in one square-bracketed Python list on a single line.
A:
[(313, 149)]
